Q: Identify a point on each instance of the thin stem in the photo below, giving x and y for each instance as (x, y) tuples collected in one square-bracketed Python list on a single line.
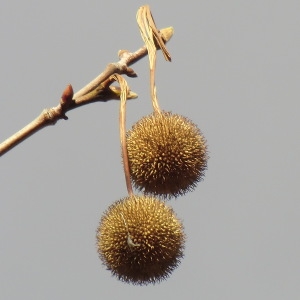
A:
[(46, 118), (122, 126), (153, 41), (153, 88)]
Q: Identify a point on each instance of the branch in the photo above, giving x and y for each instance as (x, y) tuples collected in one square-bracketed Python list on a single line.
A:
[(99, 89)]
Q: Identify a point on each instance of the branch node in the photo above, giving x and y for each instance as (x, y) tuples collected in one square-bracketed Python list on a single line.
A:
[(122, 53), (50, 116)]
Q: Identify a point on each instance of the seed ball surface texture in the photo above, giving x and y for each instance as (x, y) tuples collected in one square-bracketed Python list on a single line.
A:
[(167, 154), (140, 240)]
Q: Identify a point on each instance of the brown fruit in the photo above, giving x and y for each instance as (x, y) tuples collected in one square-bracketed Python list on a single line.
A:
[(167, 154), (140, 240)]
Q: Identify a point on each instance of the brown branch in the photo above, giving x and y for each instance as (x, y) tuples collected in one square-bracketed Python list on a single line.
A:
[(99, 89)]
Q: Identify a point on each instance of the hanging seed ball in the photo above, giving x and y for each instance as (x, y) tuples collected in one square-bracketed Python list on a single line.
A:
[(167, 154), (140, 240)]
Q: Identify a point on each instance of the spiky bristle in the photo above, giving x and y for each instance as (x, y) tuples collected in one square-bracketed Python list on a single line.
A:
[(140, 240), (167, 154)]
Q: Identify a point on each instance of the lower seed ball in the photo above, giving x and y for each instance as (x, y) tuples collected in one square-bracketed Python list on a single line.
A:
[(167, 154), (140, 240)]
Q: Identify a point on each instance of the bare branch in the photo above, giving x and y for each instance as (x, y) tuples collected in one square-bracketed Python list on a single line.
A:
[(99, 89)]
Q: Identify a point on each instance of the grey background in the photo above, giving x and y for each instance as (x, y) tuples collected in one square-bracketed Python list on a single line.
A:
[(235, 72)]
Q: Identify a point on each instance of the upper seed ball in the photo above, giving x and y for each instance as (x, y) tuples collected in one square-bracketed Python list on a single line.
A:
[(140, 239), (167, 154)]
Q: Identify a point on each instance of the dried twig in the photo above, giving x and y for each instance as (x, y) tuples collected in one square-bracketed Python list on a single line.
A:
[(99, 89)]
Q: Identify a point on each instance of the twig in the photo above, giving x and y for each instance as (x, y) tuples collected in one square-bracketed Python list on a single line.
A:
[(99, 89)]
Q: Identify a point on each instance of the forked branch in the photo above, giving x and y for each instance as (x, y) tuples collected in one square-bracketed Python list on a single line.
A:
[(99, 89)]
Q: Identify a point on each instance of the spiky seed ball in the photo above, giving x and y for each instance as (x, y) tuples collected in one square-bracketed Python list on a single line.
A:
[(167, 154), (140, 240)]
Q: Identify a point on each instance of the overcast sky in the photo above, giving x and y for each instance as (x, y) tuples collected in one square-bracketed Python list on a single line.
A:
[(234, 72)]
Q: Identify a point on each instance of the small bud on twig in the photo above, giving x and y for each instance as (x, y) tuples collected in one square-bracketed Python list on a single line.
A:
[(122, 52), (67, 96), (130, 72)]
